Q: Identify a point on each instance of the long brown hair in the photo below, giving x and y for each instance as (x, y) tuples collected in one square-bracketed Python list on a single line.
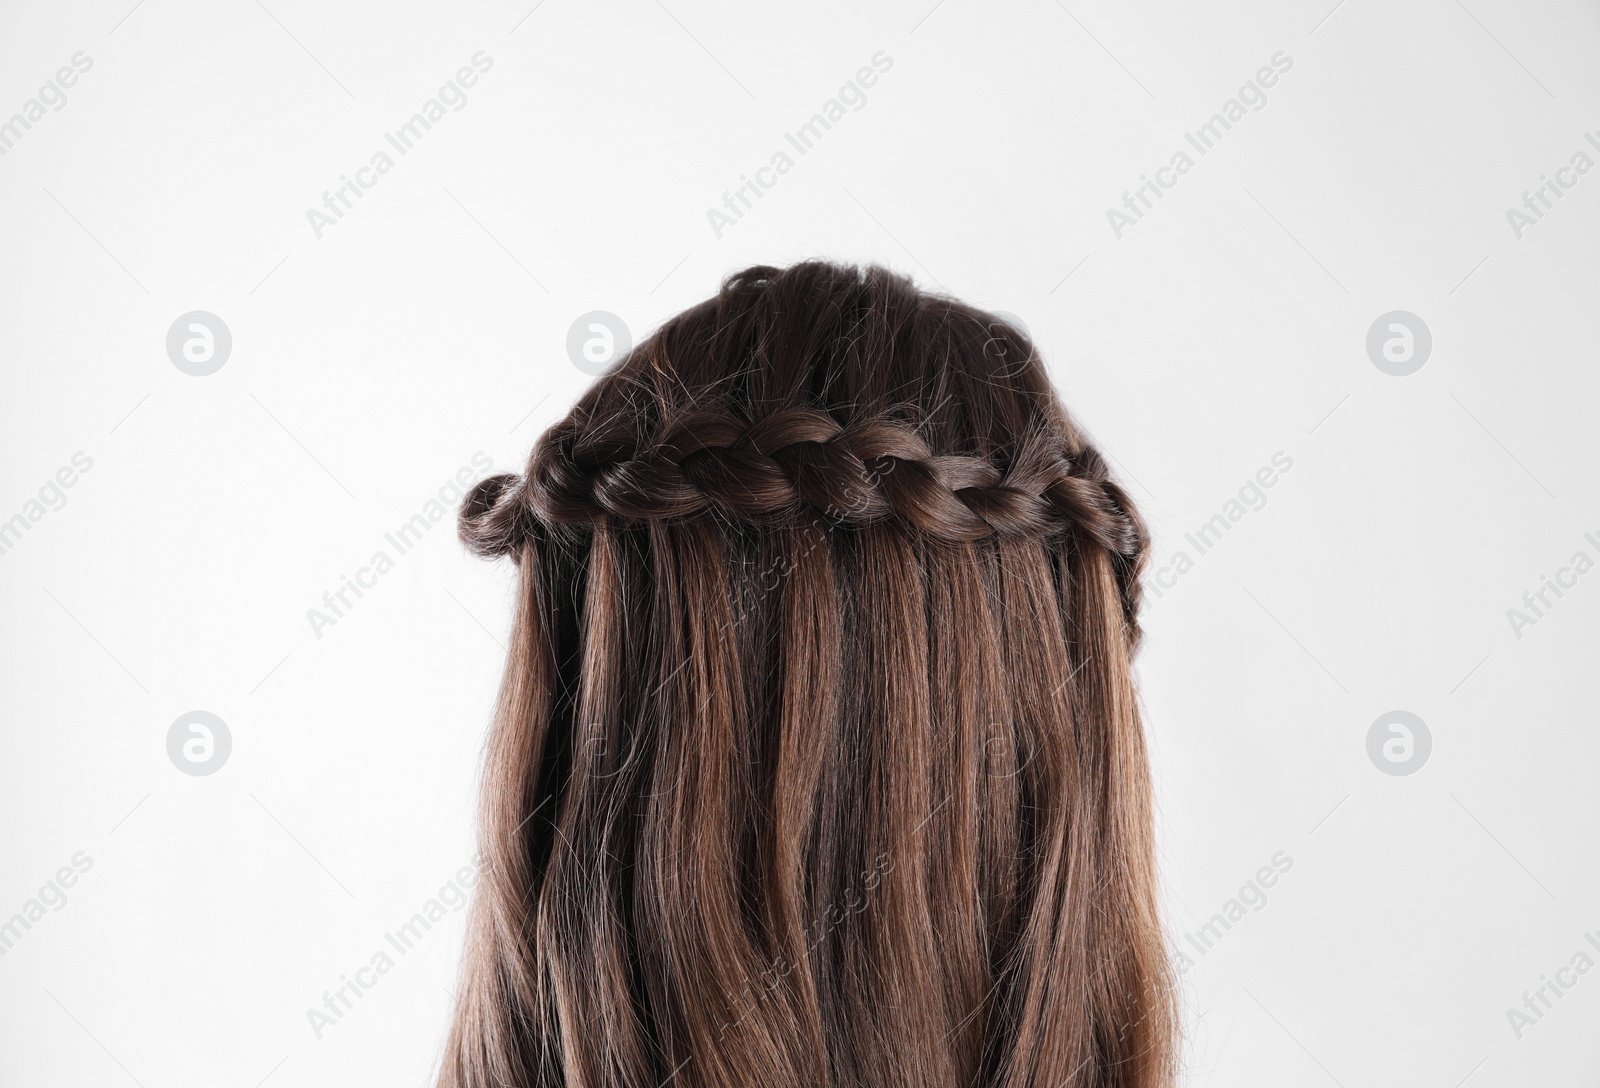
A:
[(817, 760)]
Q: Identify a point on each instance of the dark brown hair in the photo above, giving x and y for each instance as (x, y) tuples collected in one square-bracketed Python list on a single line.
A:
[(817, 760)]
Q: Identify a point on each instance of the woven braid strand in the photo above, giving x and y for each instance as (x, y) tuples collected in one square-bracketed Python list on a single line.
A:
[(853, 474)]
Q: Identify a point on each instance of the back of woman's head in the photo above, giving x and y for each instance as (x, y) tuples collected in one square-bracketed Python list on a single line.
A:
[(817, 761)]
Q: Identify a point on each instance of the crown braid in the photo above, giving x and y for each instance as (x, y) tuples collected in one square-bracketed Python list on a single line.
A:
[(708, 460)]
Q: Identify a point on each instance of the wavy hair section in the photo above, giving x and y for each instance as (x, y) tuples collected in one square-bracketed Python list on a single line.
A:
[(817, 760)]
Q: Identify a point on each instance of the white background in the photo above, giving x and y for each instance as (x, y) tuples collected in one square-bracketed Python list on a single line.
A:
[(369, 365)]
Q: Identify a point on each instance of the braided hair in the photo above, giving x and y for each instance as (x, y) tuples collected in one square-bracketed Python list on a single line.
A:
[(852, 466), (817, 761)]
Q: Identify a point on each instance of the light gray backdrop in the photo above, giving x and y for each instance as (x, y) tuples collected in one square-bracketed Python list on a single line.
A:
[(1366, 274)]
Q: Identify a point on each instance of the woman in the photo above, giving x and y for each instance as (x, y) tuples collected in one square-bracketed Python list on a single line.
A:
[(817, 759)]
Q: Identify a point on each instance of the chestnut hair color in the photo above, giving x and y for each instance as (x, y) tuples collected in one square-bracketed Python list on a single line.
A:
[(817, 760)]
